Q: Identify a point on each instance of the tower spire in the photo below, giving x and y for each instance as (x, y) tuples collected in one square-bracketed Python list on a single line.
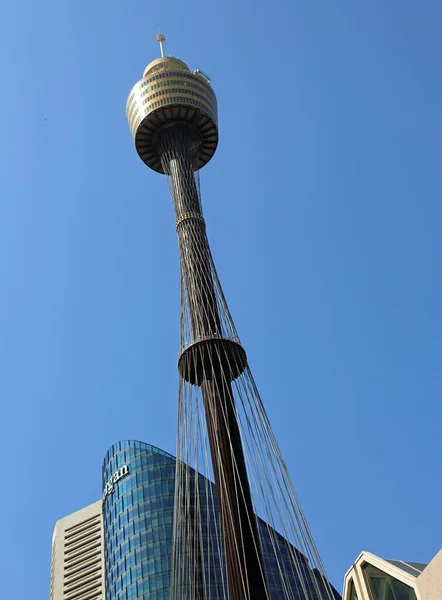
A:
[(161, 38)]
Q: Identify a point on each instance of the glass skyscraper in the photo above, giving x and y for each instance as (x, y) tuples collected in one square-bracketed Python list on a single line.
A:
[(138, 503), (138, 521)]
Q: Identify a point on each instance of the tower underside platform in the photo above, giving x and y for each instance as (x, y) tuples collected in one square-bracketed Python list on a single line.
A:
[(210, 359), (169, 116)]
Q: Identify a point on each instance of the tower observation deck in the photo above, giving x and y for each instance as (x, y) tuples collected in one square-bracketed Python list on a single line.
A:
[(223, 429)]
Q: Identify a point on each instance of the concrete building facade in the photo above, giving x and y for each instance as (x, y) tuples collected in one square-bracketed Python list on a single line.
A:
[(77, 569)]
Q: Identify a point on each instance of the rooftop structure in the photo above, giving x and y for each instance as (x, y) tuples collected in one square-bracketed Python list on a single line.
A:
[(374, 578)]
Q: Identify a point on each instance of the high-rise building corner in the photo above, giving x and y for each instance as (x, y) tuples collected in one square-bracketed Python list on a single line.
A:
[(77, 568)]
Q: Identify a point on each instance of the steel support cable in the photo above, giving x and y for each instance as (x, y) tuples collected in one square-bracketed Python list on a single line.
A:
[(218, 392), (240, 493), (273, 494), (285, 529), (261, 494), (224, 415), (195, 282), (210, 495), (254, 469), (291, 496)]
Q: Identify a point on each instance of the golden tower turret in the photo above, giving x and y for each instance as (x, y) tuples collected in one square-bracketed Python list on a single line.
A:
[(169, 93)]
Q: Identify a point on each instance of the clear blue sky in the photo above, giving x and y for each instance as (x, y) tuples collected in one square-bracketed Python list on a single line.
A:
[(323, 206)]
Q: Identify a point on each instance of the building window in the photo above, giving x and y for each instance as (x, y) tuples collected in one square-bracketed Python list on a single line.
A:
[(353, 594), (386, 587)]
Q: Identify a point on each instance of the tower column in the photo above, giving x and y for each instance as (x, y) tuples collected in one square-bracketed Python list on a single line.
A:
[(176, 147)]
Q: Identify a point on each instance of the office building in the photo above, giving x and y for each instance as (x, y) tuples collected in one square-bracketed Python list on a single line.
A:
[(77, 569)]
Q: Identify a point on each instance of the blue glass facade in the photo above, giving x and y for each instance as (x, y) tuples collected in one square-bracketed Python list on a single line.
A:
[(138, 521), (138, 501)]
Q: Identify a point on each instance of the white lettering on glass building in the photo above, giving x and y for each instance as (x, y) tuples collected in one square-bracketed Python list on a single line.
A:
[(110, 485)]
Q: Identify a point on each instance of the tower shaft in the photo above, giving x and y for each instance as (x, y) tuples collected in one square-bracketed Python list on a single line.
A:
[(212, 364)]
